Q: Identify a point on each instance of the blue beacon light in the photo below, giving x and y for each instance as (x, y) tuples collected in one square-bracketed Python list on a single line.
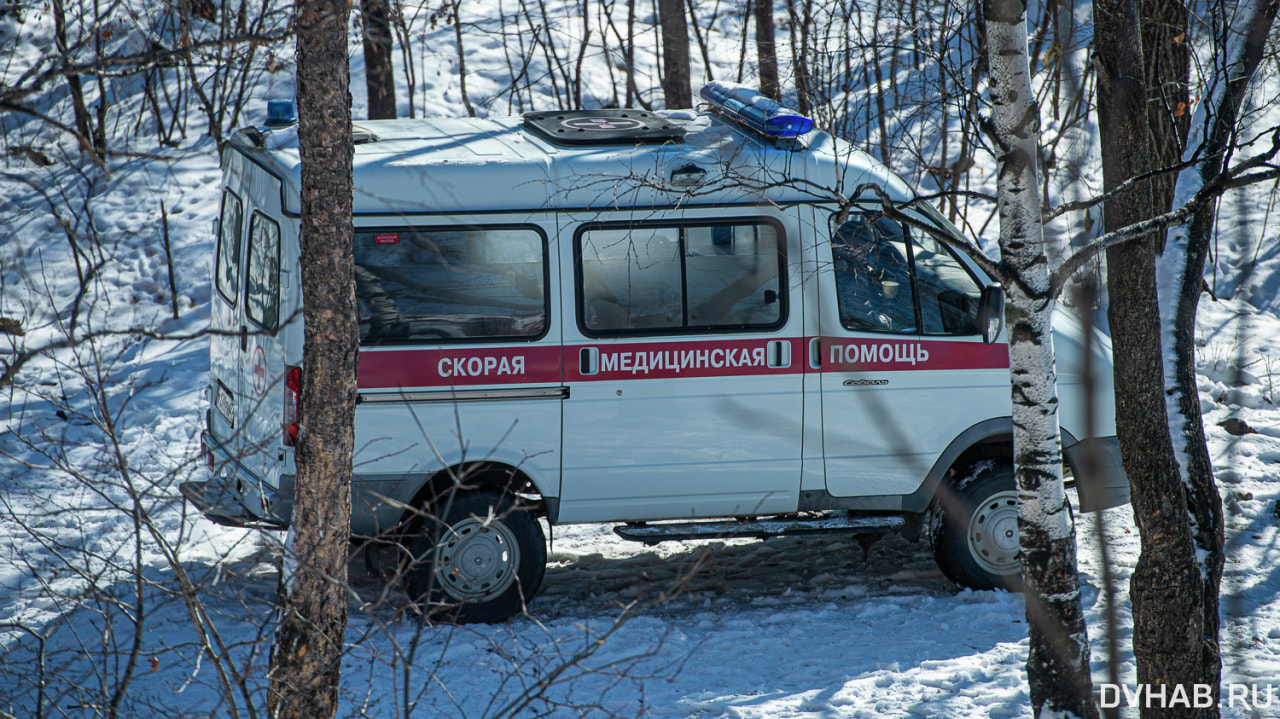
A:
[(755, 110), (280, 112)]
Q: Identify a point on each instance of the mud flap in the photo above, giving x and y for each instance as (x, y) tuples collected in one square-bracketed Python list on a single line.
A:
[(1098, 474), (222, 507)]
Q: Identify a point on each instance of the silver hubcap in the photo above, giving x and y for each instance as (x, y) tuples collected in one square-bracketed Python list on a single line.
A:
[(476, 560), (993, 534)]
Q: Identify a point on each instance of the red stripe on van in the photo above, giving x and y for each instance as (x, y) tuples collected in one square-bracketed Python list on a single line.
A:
[(458, 367), (467, 367), (846, 354)]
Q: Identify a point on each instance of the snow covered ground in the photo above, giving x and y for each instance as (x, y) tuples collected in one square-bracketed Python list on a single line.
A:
[(812, 628)]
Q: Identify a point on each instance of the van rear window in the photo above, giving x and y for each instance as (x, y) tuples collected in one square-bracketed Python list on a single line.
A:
[(452, 284), (262, 286), (228, 262)]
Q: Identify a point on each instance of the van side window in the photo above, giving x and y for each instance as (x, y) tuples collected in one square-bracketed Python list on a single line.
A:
[(262, 286), (873, 276), (454, 284), (689, 277), (228, 260), (893, 279)]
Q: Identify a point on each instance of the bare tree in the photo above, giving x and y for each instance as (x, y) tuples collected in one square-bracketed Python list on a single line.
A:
[(379, 79), (766, 49), (800, 21), (1166, 589), (676, 86), (1166, 59), (1058, 660), (91, 136), (306, 659), (1180, 275)]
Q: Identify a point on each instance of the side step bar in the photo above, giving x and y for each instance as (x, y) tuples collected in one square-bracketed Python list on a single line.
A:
[(653, 533)]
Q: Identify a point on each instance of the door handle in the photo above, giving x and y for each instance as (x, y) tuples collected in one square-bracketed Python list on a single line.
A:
[(779, 354), (588, 361), (244, 338)]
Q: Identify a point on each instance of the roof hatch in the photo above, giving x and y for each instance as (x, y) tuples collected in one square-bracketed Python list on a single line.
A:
[(602, 127)]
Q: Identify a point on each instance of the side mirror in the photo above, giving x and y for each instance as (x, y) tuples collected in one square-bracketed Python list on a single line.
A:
[(991, 312)]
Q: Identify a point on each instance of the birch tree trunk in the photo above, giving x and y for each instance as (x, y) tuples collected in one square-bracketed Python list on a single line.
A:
[(1165, 589), (1179, 276), (1058, 661), (306, 658)]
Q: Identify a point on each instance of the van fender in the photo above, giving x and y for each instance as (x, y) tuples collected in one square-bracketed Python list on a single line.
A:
[(1100, 485), (996, 431), (985, 438), (1105, 487), (420, 490)]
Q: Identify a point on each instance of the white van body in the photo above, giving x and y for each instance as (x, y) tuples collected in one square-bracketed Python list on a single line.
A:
[(627, 330)]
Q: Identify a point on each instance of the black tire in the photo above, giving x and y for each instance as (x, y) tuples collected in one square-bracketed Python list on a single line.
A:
[(482, 560), (974, 531)]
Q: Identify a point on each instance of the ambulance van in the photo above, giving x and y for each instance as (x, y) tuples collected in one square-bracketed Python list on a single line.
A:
[(692, 324)]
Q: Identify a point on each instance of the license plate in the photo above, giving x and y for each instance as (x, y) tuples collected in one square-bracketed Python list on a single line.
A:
[(225, 403)]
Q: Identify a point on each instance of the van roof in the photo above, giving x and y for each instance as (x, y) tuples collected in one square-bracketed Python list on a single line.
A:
[(499, 164)]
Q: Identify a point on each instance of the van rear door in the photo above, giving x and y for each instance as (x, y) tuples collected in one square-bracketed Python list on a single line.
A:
[(684, 365), (246, 347), (262, 357), (225, 325)]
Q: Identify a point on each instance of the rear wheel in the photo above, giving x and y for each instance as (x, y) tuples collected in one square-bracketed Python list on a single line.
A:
[(481, 560), (975, 528)]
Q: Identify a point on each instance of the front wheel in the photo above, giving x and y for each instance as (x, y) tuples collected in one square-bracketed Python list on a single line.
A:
[(481, 560), (974, 532)]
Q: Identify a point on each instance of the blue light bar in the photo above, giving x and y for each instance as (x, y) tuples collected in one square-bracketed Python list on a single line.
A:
[(280, 112), (749, 107)]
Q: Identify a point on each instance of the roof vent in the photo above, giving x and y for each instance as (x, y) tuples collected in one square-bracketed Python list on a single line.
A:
[(602, 127)]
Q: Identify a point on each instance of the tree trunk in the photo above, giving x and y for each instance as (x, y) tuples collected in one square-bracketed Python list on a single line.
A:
[(766, 49), (84, 125), (379, 80), (629, 55), (1058, 660), (1181, 271), (676, 86), (462, 59), (1167, 71), (801, 30), (1168, 609), (306, 657)]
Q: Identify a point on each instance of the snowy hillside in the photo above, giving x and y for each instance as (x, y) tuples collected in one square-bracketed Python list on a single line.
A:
[(107, 579)]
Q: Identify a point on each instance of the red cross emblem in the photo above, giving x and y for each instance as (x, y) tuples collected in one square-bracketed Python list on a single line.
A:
[(259, 370)]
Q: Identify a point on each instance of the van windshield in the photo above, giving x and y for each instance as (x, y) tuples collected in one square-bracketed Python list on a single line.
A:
[(454, 284)]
